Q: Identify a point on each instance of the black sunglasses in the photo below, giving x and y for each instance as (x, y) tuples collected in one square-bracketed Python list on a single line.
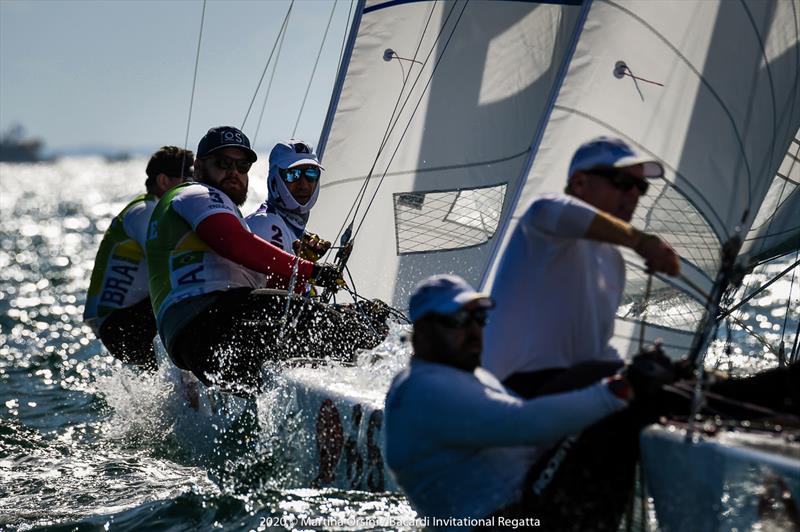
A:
[(621, 179), (290, 175), (226, 163), (460, 319)]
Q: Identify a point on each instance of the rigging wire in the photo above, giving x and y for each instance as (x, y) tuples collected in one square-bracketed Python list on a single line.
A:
[(752, 332), (410, 119), (194, 83), (344, 37), (266, 66), (395, 114), (778, 203), (795, 355), (788, 306), (356, 205), (795, 344), (314, 70), (758, 290), (269, 85)]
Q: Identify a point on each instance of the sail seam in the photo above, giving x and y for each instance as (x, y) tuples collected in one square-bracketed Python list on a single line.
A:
[(706, 84), (431, 169), (537, 138)]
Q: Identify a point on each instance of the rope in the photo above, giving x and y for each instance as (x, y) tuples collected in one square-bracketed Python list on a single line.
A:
[(628, 72), (269, 85), (266, 66), (314, 70), (194, 80)]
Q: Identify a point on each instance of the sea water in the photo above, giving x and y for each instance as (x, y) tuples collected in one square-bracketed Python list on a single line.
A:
[(88, 444)]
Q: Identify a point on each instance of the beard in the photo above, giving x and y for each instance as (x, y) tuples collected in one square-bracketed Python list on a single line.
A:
[(235, 189), (234, 192)]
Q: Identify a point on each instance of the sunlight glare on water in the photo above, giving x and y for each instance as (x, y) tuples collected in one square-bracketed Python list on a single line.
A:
[(87, 442)]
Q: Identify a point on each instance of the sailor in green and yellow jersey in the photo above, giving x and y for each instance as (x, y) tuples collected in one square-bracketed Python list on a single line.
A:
[(118, 307), (207, 269)]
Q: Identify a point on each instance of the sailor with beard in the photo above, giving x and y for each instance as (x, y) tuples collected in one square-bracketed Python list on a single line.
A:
[(293, 188), (204, 264)]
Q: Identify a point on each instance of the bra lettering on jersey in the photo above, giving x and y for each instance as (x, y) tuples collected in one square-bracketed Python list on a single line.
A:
[(187, 267), (191, 277), (115, 288)]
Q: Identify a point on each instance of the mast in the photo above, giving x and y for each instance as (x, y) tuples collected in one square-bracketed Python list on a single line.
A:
[(340, 77)]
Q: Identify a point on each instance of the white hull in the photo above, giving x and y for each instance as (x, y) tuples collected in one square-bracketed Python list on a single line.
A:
[(732, 481)]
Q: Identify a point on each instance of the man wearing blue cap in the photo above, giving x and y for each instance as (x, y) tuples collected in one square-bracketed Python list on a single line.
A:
[(563, 276), (292, 190), (469, 453), (205, 263)]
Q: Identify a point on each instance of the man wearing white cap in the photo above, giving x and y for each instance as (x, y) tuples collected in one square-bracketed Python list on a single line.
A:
[(561, 278), (293, 188), (469, 453)]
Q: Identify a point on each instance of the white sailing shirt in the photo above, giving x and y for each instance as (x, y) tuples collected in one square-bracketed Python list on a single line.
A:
[(119, 277), (267, 223), (557, 293), (460, 445), (181, 265)]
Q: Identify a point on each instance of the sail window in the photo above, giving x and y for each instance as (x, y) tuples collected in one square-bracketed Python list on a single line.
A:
[(445, 220)]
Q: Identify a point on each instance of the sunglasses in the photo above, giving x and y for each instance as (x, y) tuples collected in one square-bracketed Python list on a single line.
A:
[(290, 175), (621, 180), (226, 163), (462, 318)]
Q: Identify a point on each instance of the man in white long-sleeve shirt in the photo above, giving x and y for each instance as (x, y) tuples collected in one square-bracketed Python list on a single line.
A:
[(562, 274), (466, 451), (559, 283)]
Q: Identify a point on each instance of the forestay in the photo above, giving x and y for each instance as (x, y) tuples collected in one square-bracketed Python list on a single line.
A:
[(469, 109)]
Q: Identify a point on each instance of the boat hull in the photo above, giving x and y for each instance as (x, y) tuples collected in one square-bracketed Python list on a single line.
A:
[(731, 481)]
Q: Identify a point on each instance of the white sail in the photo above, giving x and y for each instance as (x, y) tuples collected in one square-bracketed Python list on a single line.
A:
[(776, 229), (506, 91), (471, 89)]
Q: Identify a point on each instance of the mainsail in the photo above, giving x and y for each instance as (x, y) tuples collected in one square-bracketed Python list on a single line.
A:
[(453, 115)]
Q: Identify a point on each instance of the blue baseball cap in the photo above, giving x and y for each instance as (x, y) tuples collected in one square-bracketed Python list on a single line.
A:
[(224, 137), (614, 153), (443, 294)]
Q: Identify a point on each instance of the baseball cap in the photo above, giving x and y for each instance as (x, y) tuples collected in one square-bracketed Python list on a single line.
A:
[(291, 153), (612, 152), (224, 137), (443, 294)]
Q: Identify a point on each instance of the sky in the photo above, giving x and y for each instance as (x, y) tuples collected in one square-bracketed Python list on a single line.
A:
[(118, 73)]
